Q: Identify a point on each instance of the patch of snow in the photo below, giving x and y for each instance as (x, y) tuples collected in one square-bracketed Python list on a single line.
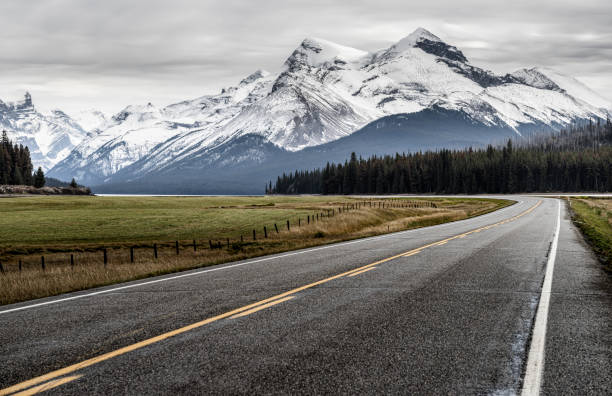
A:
[(576, 89), (413, 38)]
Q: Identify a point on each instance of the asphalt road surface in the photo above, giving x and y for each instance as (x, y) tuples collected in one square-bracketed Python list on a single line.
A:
[(498, 304)]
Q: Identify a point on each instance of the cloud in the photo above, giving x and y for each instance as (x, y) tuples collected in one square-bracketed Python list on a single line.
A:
[(75, 53)]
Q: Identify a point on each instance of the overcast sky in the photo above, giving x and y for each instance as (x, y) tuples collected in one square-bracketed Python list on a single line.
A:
[(78, 54)]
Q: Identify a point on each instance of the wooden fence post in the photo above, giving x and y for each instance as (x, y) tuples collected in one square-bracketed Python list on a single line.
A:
[(19, 265), (210, 243), (299, 222), (241, 239), (288, 226), (276, 228), (105, 257), (155, 250), (132, 254), (195, 247), (42, 262), (254, 236), (1, 268), (308, 217), (228, 245), (71, 260), (177, 248)]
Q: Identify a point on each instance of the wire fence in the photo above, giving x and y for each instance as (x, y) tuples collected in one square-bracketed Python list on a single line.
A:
[(145, 252)]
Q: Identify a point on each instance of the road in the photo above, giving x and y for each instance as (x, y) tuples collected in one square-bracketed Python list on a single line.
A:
[(455, 308)]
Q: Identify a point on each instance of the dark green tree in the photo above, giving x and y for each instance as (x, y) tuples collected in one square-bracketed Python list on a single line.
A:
[(39, 178), (575, 159)]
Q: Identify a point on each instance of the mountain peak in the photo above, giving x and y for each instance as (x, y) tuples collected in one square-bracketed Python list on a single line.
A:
[(25, 104), (419, 35), (258, 74), (535, 78), (27, 100), (427, 42), (315, 52)]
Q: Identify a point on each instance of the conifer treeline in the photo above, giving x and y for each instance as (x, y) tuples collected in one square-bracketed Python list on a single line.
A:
[(576, 159), (16, 165)]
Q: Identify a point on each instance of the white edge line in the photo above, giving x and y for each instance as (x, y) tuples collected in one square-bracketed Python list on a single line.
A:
[(535, 361), (105, 291)]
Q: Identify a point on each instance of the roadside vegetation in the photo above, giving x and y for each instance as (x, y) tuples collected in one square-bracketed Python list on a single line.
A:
[(71, 236), (594, 218)]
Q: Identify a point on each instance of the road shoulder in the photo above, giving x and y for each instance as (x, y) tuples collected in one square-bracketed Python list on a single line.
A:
[(579, 337)]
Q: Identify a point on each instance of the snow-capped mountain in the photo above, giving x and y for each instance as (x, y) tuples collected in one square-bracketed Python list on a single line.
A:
[(50, 137), (90, 120), (323, 93)]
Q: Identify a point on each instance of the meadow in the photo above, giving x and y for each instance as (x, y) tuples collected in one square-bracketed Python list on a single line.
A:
[(89, 241)]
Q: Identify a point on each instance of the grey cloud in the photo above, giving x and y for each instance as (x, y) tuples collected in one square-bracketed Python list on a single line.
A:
[(171, 50)]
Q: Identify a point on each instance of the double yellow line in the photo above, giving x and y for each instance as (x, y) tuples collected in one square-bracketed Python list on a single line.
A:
[(242, 311)]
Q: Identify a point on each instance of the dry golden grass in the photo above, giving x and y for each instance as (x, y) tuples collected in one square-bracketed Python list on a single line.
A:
[(601, 206), (89, 269), (594, 218)]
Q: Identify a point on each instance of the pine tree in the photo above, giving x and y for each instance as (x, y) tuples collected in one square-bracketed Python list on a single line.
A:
[(73, 183), (39, 178), (5, 140), (562, 161)]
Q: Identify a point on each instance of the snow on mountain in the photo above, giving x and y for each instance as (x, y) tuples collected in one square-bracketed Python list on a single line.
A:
[(49, 137), (127, 136), (90, 119), (414, 38), (317, 52), (534, 78), (576, 89), (326, 91), (136, 130)]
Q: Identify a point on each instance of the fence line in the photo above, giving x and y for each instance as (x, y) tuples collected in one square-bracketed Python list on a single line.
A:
[(312, 218)]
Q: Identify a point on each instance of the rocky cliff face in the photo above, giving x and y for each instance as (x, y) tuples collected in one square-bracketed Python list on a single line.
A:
[(50, 137)]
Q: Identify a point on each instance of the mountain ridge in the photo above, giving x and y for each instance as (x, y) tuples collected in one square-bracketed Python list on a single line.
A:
[(50, 137), (325, 92)]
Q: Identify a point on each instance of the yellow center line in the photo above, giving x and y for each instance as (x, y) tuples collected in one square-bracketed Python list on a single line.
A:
[(161, 337), (362, 271), (47, 385), (259, 308)]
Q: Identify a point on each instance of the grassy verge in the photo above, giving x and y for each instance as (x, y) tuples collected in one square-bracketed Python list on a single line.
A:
[(60, 227), (594, 218)]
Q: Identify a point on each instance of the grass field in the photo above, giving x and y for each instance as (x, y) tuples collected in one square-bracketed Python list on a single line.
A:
[(58, 227), (594, 217)]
